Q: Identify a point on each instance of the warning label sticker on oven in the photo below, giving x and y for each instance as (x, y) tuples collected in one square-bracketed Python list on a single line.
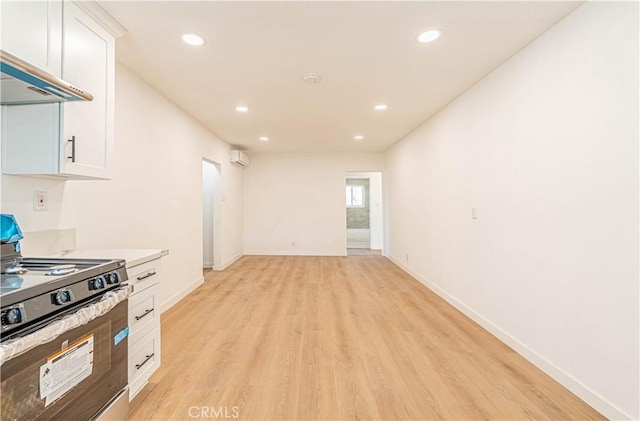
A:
[(65, 369)]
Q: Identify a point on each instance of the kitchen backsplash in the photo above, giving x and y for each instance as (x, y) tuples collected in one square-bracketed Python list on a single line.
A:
[(48, 242)]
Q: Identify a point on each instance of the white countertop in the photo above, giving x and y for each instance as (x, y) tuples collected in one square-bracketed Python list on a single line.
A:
[(133, 257)]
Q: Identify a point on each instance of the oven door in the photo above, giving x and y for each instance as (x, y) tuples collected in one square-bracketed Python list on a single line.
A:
[(75, 376)]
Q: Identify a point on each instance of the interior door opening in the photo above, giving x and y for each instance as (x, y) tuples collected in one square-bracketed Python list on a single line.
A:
[(365, 232), (211, 253)]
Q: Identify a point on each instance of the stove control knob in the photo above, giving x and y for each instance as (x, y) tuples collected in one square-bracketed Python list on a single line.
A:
[(97, 283), (12, 316), (113, 278), (62, 297)]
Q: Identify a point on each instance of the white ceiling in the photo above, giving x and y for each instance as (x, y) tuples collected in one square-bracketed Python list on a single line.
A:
[(366, 53)]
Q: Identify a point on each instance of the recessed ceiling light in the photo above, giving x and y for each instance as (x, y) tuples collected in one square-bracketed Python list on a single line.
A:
[(429, 36), (312, 78), (242, 108), (263, 139), (358, 137), (193, 39), (381, 107)]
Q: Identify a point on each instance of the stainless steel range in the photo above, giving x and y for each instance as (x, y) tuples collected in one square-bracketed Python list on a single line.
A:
[(63, 340), (36, 289)]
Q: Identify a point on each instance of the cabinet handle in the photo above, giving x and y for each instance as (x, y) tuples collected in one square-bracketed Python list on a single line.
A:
[(142, 316), (148, 357), (73, 149), (147, 275)]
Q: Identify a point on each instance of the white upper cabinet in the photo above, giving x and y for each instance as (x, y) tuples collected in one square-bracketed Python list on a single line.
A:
[(88, 62), (32, 30), (72, 139)]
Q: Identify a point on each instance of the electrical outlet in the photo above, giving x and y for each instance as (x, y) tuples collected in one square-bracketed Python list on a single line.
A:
[(293, 244), (407, 257), (40, 201)]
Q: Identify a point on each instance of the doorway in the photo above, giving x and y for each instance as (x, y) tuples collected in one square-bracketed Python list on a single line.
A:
[(365, 232), (211, 252)]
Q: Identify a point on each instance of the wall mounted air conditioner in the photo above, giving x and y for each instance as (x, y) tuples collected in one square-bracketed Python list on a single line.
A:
[(240, 158)]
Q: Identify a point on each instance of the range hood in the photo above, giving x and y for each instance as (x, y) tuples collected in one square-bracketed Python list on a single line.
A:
[(24, 83)]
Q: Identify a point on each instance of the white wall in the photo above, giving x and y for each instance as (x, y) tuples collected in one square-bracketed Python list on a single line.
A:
[(546, 149), (375, 206), (155, 199), (299, 198)]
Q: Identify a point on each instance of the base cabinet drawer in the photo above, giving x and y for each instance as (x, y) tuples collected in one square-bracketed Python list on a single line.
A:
[(143, 276), (144, 359), (144, 324), (144, 312)]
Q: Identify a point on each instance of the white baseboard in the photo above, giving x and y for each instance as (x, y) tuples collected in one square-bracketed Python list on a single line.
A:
[(599, 403), (180, 295), (227, 263), (295, 253), (207, 265)]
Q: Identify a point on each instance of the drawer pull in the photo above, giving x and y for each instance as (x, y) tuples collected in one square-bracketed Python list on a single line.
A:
[(147, 275), (143, 315), (148, 357)]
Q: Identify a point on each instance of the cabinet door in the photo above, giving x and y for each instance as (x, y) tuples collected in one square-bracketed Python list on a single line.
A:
[(32, 30), (87, 62)]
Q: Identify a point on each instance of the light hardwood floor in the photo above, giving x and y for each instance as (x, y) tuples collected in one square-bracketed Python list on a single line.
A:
[(337, 338)]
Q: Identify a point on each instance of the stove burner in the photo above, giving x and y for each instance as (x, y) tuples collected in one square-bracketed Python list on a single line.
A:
[(11, 282), (62, 270), (15, 270)]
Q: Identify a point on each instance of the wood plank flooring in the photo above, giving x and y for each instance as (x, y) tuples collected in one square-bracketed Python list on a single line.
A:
[(337, 338)]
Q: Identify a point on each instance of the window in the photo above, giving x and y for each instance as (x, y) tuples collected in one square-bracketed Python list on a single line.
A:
[(355, 196)]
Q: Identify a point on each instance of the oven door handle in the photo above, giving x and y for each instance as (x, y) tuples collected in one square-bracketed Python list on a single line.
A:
[(47, 333), (146, 360)]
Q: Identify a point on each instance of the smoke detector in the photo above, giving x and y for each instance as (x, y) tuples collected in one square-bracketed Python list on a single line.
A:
[(311, 78)]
